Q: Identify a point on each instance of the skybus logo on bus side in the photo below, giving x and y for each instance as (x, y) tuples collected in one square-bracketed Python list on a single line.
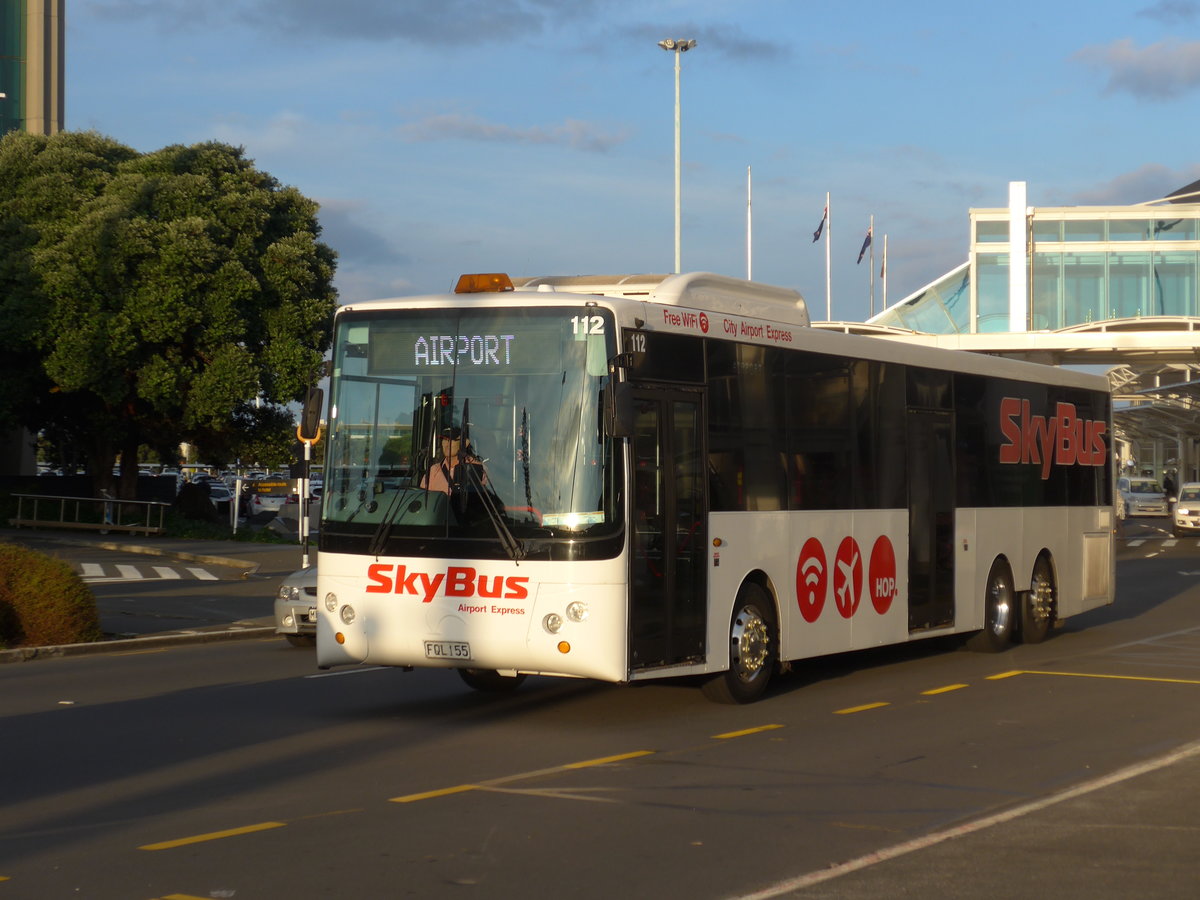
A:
[(459, 582), (1063, 439)]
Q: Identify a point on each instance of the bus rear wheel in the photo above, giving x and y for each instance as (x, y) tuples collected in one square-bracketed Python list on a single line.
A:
[(1039, 604), (490, 681), (999, 610), (752, 650)]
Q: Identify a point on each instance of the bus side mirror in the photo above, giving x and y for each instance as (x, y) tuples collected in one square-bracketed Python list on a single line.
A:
[(310, 418), (618, 410)]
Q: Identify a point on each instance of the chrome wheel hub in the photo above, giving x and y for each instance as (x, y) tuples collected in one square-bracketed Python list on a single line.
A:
[(749, 644)]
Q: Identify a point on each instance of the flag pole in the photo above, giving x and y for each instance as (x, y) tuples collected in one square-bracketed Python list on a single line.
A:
[(828, 241), (749, 227), (871, 234), (883, 272)]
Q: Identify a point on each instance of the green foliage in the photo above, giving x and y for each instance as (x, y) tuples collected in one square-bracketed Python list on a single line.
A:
[(145, 298), (42, 601), (178, 526)]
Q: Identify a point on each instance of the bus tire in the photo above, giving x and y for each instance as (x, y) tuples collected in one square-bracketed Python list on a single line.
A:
[(1039, 604), (999, 600), (753, 649), (490, 681)]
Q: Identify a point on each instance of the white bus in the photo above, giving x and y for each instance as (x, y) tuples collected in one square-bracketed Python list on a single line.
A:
[(658, 476)]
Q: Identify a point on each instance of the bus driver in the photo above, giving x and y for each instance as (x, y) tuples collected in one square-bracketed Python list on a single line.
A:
[(452, 469)]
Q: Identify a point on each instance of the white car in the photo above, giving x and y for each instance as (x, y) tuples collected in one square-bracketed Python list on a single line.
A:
[(296, 608), (1140, 497), (1186, 519)]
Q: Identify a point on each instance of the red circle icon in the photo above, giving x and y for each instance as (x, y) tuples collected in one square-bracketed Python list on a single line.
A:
[(812, 580), (847, 577), (704, 322), (881, 574)]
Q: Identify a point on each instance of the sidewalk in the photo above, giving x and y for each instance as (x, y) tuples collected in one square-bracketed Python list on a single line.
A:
[(269, 563)]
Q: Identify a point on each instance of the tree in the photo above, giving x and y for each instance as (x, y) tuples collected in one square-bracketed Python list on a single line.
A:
[(145, 298)]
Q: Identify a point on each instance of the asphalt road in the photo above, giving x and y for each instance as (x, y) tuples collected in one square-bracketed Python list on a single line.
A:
[(1069, 768)]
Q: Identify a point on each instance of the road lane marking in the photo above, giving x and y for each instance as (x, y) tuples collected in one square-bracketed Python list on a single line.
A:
[(429, 795), (91, 570), (520, 776), (348, 672), (203, 574), (604, 760), (213, 836), (744, 732), (857, 709), (926, 841), (130, 572), (166, 573), (944, 690), (1099, 675)]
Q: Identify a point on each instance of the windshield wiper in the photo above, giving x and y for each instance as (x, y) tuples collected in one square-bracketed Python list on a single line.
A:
[(511, 544), (384, 529)]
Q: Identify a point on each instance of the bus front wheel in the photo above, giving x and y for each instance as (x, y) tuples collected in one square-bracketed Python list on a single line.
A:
[(999, 601), (490, 681), (752, 649)]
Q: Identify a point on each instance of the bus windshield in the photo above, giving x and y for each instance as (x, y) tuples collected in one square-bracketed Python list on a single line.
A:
[(469, 423)]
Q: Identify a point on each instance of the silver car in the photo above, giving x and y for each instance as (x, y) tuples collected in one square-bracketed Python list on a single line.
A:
[(1140, 497), (296, 608)]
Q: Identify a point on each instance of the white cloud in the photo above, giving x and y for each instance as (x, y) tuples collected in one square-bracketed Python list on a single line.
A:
[(454, 126), (1159, 71), (1171, 12), (1152, 181)]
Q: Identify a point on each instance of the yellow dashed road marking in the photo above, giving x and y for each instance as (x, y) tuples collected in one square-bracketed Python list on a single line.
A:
[(863, 708), (213, 836), (944, 690), (429, 795), (1101, 675), (744, 732)]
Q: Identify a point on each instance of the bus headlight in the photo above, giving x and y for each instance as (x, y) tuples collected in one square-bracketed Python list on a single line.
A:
[(552, 622), (347, 614), (331, 601), (577, 611)]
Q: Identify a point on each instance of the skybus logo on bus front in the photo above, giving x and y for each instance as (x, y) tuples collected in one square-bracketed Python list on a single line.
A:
[(458, 581), (1063, 439)]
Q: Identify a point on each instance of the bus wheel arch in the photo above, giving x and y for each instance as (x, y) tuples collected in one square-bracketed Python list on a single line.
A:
[(753, 635), (1039, 605), (999, 610)]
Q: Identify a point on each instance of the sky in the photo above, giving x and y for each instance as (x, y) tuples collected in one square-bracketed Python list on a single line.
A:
[(536, 137)]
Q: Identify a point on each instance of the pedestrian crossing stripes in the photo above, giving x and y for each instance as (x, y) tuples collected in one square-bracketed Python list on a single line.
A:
[(97, 573)]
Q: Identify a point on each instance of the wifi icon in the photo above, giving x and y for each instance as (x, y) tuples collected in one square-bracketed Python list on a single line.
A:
[(812, 580)]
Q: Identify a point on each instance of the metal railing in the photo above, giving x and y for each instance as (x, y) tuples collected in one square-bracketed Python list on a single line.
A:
[(102, 515)]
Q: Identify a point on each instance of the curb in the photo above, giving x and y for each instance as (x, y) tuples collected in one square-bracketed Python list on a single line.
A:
[(249, 567), (236, 632)]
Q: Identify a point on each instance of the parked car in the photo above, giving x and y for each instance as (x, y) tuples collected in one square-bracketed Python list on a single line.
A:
[(1186, 519), (1140, 497), (220, 495), (296, 608), (256, 503)]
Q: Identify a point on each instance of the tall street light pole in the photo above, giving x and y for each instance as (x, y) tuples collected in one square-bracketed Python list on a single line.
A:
[(677, 46)]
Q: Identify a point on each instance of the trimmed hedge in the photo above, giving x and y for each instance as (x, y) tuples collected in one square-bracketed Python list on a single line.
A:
[(42, 601)]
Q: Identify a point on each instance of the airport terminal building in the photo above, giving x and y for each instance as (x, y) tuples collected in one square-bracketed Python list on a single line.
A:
[(1109, 285)]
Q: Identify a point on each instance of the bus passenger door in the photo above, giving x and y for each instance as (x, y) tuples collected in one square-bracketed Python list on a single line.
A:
[(667, 614), (930, 519)]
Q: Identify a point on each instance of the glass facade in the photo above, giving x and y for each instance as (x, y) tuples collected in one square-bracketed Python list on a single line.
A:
[(1085, 265), (12, 64)]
